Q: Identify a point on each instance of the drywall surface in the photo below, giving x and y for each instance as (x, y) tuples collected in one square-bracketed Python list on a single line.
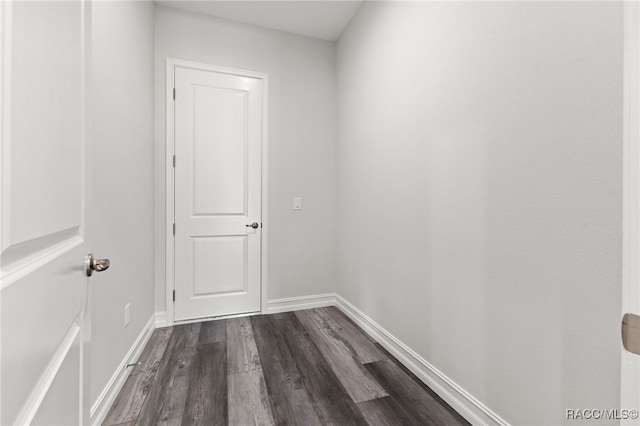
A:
[(479, 198), (302, 137), (122, 97)]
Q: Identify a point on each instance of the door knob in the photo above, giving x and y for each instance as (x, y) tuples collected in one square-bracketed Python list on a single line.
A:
[(92, 264), (254, 225)]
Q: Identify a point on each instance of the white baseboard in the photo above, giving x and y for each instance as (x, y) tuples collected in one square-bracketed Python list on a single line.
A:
[(103, 403), (461, 401), (302, 302), (161, 319)]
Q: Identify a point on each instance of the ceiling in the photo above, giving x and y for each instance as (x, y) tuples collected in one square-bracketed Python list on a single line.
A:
[(320, 19)]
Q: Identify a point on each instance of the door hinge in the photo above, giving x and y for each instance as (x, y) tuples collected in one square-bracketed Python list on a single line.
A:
[(174, 229), (174, 295), (174, 93), (174, 161)]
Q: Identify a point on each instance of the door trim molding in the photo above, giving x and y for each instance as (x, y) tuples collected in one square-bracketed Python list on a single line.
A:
[(39, 391), (630, 363), (171, 65), (6, 51)]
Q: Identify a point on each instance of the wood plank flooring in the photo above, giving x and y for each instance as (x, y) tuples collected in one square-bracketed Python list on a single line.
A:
[(312, 367)]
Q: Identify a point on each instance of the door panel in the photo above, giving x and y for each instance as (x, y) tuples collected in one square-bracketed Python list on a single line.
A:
[(220, 265), (45, 199), (47, 41), (63, 394), (220, 167), (218, 138), (42, 167)]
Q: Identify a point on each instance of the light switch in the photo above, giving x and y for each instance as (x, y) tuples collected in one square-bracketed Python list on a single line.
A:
[(297, 203)]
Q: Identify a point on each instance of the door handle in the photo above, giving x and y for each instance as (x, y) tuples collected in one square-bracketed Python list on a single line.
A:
[(92, 264), (631, 333), (254, 225)]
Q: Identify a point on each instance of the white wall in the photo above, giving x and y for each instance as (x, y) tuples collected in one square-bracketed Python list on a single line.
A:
[(122, 180), (301, 140), (479, 197)]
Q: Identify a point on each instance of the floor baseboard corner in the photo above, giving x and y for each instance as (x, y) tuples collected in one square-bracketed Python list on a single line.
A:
[(462, 401), (161, 319), (103, 403)]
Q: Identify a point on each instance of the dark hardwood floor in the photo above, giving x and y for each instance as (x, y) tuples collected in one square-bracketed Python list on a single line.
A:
[(312, 367)]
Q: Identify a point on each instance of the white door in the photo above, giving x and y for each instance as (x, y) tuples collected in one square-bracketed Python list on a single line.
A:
[(218, 139), (630, 377), (44, 239)]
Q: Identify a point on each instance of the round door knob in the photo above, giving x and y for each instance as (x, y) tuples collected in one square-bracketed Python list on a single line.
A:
[(254, 225), (93, 264)]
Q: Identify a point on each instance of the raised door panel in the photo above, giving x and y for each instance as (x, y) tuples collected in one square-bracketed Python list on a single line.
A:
[(220, 265), (61, 401), (42, 168), (219, 151)]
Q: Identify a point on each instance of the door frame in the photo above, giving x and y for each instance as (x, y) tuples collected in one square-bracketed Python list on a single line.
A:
[(630, 363), (171, 65)]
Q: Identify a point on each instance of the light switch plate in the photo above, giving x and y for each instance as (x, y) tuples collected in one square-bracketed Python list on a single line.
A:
[(297, 203)]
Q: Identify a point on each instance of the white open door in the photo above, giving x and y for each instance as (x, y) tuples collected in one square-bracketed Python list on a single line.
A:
[(630, 378), (45, 202), (218, 221)]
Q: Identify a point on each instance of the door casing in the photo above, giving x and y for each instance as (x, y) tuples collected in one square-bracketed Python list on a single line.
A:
[(171, 65), (630, 363)]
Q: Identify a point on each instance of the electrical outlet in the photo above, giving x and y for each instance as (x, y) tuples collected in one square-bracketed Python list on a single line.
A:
[(127, 314)]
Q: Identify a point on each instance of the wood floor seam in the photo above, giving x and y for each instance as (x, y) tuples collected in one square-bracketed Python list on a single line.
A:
[(242, 372)]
